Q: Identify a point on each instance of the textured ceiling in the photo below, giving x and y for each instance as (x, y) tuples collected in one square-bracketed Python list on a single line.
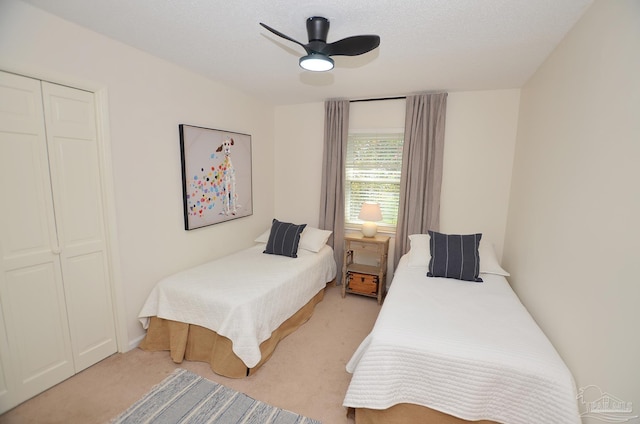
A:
[(426, 45)]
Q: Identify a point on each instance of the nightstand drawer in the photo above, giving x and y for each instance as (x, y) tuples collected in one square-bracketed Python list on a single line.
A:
[(365, 247), (363, 283)]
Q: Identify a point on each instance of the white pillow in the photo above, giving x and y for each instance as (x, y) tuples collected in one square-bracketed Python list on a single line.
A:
[(488, 260), (419, 250), (420, 254), (312, 239)]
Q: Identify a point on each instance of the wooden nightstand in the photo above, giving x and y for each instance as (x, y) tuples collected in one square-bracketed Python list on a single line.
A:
[(360, 278)]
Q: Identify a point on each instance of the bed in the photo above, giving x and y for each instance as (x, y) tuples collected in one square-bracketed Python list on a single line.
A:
[(231, 312), (445, 350)]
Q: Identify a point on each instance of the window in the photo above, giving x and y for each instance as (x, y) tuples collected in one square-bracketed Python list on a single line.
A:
[(372, 174)]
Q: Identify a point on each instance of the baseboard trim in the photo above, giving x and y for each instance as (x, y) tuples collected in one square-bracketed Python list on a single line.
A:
[(135, 342)]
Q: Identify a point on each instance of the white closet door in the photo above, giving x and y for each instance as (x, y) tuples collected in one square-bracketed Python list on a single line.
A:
[(35, 347), (77, 196)]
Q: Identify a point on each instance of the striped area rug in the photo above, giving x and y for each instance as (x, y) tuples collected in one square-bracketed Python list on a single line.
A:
[(185, 397)]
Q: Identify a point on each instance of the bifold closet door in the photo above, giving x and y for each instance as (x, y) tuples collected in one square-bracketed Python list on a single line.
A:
[(36, 350), (55, 296)]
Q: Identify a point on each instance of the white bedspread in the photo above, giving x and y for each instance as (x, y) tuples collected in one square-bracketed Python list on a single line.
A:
[(244, 296), (466, 349)]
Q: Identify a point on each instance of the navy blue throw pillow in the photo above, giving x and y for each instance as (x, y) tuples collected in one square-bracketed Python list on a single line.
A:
[(455, 256), (284, 239)]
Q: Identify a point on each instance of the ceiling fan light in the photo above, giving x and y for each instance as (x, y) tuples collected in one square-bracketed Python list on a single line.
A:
[(316, 62)]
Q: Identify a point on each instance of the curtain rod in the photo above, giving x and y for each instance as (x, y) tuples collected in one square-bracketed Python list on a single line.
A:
[(378, 98)]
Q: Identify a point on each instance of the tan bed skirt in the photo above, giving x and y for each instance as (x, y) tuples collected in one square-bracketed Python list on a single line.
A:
[(196, 343), (408, 413)]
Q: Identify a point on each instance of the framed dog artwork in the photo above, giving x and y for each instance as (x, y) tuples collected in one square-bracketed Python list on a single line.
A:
[(216, 175)]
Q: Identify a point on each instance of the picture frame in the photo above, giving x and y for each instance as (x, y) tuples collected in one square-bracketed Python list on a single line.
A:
[(216, 175)]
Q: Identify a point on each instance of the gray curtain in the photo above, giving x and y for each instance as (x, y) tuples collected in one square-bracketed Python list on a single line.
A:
[(421, 178), (336, 132)]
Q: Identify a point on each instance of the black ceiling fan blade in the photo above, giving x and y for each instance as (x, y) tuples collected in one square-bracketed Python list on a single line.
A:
[(352, 46), (286, 37)]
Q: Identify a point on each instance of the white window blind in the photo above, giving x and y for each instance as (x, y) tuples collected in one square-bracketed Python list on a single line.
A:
[(372, 174)]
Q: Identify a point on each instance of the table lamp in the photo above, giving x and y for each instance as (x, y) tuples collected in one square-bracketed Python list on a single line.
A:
[(370, 213)]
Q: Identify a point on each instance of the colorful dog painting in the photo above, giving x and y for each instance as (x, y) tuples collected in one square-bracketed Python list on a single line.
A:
[(213, 183)]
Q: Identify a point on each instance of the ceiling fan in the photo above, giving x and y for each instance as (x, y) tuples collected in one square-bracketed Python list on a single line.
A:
[(318, 50)]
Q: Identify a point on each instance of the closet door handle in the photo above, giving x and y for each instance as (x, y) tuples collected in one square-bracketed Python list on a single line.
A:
[(56, 250)]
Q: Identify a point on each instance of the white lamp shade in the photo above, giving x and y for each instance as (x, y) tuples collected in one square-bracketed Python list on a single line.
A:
[(370, 212)]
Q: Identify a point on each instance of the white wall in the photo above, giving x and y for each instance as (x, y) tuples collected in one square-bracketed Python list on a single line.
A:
[(299, 131), (479, 144), (573, 237), (147, 99), (377, 115), (478, 158)]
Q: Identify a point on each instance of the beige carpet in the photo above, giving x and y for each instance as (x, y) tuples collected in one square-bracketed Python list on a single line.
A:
[(306, 373)]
